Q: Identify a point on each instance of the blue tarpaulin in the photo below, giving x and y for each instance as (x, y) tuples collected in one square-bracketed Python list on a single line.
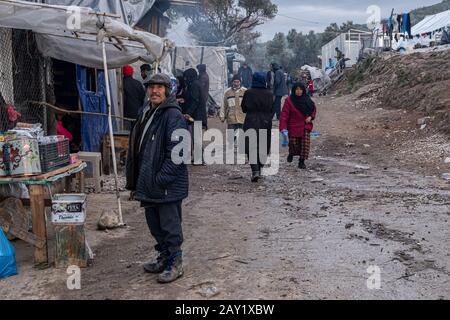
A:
[(93, 128)]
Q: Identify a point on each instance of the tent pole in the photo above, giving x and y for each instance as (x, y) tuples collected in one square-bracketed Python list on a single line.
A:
[(111, 136)]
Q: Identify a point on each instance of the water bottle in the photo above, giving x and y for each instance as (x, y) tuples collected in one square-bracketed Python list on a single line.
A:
[(284, 138)]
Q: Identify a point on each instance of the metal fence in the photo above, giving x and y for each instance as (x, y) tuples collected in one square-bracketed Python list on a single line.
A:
[(22, 78)]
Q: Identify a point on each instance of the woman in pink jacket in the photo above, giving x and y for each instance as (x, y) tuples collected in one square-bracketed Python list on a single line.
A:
[(296, 121)]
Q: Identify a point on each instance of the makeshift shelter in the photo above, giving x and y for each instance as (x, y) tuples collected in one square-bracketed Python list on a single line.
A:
[(215, 59), (131, 12), (59, 29), (320, 78), (88, 38), (432, 23)]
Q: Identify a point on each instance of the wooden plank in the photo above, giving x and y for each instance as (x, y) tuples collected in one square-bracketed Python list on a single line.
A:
[(81, 181), (37, 193), (70, 246), (42, 177), (59, 171)]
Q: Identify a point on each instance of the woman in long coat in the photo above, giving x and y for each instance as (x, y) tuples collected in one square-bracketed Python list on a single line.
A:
[(296, 120), (257, 104)]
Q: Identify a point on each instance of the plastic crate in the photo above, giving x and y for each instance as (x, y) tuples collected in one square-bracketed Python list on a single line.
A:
[(54, 155)]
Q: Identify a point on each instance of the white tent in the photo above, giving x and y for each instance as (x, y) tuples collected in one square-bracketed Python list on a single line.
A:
[(432, 23), (215, 59), (58, 32)]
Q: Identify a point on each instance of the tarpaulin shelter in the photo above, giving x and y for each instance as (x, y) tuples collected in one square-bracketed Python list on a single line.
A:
[(129, 11), (432, 23), (58, 32), (87, 37), (215, 59), (320, 78)]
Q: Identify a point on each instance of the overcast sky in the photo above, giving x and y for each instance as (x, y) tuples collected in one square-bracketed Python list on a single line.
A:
[(318, 14), (305, 15)]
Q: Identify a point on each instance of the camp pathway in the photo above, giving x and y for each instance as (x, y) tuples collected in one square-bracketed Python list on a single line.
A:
[(360, 212)]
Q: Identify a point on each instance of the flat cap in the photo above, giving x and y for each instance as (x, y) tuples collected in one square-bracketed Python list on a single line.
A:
[(160, 78)]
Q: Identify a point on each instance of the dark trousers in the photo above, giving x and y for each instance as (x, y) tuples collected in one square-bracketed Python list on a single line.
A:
[(164, 222), (277, 106)]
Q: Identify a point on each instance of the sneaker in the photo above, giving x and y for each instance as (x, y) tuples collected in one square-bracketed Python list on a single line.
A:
[(173, 270), (290, 158), (157, 266)]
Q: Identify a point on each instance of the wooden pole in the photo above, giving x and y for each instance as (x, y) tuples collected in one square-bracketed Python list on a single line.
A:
[(37, 193)]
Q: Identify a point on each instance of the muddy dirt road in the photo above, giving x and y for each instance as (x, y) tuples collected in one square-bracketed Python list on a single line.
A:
[(368, 199)]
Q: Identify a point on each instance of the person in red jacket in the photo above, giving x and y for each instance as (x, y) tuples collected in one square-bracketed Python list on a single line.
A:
[(296, 121), (311, 88)]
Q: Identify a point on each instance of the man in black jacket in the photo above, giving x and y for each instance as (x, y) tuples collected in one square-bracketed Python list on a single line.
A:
[(257, 104), (157, 182), (195, 108)]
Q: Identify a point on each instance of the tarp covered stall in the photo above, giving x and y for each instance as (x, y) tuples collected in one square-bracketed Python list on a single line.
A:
[(320, 77), (57, 36), (432, 23), (130, 11), (215, 59)]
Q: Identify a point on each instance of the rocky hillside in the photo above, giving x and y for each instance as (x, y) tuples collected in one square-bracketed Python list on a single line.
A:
[(418, 81)]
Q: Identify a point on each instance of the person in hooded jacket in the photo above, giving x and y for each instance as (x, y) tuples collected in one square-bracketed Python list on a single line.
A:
[(193, 107), (296, 121), (155, 179), (193, 97), (257, 104), (203, 78)]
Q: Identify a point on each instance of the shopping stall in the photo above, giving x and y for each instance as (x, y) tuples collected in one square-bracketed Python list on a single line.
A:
[(90, 39)]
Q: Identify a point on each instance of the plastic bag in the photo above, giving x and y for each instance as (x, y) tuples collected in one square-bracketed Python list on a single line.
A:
[(284, 138), (7, 257)]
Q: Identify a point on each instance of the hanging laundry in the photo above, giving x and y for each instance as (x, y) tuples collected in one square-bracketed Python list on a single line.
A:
[(400, 22), (407, 23)]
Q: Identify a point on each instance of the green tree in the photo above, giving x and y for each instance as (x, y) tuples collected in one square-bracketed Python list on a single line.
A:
[(277, 51), (228, 22)]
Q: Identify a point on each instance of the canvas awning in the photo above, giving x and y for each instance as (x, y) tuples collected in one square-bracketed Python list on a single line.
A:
[(130, 11), (60, 36), (432, 23)]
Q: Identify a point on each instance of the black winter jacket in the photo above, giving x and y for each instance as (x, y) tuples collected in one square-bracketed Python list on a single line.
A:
[(133, 96), (151, 173), (193, 103), (258, 106)]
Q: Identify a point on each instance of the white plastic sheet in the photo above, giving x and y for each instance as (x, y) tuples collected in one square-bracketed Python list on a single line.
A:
[(57, 39), (130, 11), (432, 23), (215, 59)]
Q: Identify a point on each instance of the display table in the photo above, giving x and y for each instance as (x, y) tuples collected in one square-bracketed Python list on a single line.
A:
[(37, 185)]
